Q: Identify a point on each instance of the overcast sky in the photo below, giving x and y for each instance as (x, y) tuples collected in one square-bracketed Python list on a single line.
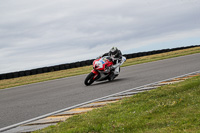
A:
[(39, 33)]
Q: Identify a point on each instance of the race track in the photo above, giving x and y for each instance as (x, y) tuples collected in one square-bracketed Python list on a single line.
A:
[(22, 103)]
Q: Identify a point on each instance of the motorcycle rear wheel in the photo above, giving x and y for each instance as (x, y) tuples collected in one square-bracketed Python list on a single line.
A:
[(89, 79)]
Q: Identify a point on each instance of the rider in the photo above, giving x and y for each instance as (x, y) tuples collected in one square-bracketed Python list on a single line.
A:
[(116, 56)]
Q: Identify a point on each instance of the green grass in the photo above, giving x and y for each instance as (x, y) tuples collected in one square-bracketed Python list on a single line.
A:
[(7, 83), (171, 108)]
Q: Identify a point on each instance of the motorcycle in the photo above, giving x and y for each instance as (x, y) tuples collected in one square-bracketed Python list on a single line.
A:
[(103, 70)]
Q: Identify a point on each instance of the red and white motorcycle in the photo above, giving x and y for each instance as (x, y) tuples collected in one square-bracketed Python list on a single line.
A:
[(102, 70)]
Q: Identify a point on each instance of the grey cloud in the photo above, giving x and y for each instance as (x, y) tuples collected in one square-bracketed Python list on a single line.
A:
[(37, 31)]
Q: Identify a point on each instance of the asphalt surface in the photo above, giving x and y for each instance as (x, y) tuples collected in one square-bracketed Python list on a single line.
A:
[(18, 104)]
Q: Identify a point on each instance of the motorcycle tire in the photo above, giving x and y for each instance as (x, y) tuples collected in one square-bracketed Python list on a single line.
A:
[(89, 79)]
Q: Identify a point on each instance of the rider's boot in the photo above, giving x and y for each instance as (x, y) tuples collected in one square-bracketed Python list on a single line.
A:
[(112, 76)]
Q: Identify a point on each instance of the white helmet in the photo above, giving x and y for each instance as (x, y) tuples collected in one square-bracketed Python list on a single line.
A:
[(114, 51)]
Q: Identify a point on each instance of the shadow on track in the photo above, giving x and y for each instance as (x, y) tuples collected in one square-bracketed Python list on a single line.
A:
[(107, 82)]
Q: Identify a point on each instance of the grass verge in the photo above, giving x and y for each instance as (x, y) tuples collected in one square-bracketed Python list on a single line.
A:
[(171, 108), (7, 83)]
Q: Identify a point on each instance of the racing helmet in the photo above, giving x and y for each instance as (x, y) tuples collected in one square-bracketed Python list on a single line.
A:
[(114, 51)]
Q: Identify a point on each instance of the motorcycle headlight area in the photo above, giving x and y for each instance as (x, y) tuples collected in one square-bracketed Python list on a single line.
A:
[(98, 64)]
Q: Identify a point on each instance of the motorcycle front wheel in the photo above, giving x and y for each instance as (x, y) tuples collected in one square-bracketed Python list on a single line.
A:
[(89, 79)]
